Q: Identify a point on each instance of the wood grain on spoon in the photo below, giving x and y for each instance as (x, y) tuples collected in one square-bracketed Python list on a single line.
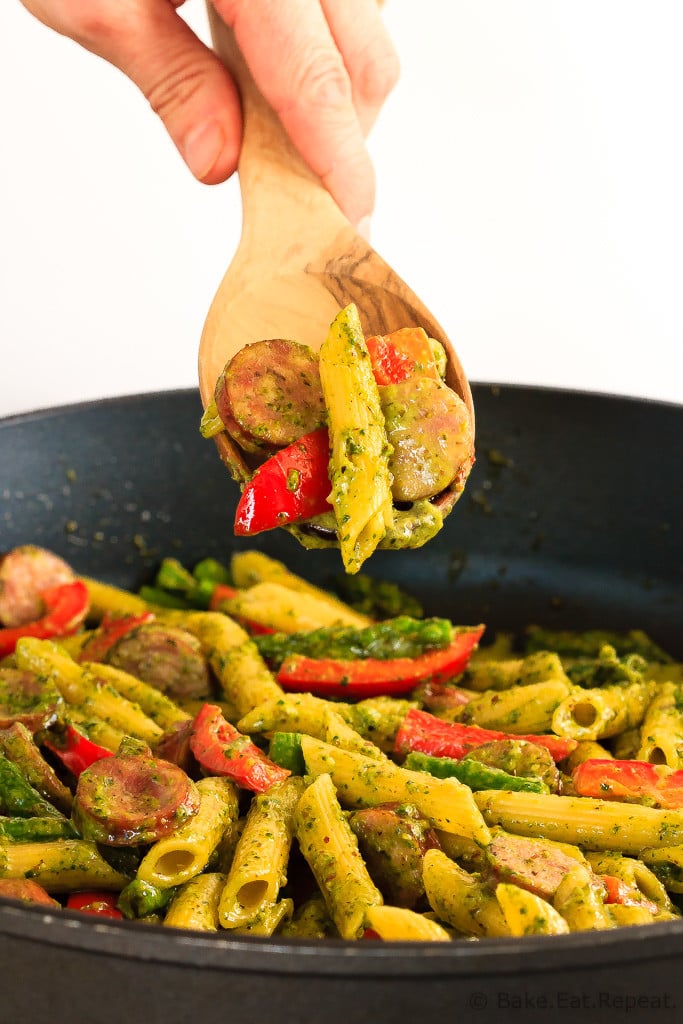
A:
[(298, 262)]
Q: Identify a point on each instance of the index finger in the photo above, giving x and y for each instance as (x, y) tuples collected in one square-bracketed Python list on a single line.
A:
[(295, 63)]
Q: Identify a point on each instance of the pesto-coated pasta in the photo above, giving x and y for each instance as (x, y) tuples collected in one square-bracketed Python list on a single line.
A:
[(332, 835), (259, 865), (331, 850), (359, 467)]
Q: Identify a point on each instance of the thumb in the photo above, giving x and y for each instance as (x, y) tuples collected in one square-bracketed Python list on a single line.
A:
[(184, 81)]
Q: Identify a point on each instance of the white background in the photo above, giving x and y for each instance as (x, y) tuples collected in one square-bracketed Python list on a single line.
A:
[(530, 181)]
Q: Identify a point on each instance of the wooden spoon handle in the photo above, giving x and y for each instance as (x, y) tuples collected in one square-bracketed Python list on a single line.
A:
[(270, 167)]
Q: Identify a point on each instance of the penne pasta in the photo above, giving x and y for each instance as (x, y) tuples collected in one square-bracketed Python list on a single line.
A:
[(155, 704), (195, 905), (661, 734), (577, 900), (285, 610), (397, 924), (362, 782), (61, 865), (359, 465), (259, 866), (462, 899), (593, 824), (81, 688), (331, 851), (600, 713), (528, 914), (186, 852), (519, 710), (251, 567)]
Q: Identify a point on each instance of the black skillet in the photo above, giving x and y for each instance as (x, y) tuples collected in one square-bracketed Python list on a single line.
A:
[(571, 518)]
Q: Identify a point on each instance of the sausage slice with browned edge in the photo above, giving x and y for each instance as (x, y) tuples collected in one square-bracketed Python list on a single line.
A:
[(532, 865), (24, 573), (430, 430), (132, 798), (26, 890), (393, 840), (165, 657), (269, 395)]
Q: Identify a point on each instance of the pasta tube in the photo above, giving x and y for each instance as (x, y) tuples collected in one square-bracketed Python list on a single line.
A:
[(461, 899), (340, 734), (528, 914), (376, 719), (250, 567), (195, 905), (501, 674), (362, 782), (285, 610), (359, 466), (397, 924), (331, 850), (105, 599), (259, 866), (183, 854), (155, 704), (519, 710), (579, 904), (600, 713), (582, 821), (81, 688), (661, 734), (269, 920), (60, 865)]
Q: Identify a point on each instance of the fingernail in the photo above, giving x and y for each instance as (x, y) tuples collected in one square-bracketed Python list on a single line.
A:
[(363, 228), (202, 148)]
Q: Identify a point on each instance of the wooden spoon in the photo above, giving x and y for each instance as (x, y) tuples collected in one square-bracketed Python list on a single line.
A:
[(298, 262)]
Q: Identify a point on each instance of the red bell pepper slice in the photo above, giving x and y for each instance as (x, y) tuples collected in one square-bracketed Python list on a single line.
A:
[(66, 607), (76, 751), (431, 735), (111, 629), (103, 904), (290, 486), (619, 891), (222, 594), (371, 677), (221, 750), (636, 781), (403, 354)]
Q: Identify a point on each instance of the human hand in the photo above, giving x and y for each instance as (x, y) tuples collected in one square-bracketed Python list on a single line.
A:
[(325, 66)]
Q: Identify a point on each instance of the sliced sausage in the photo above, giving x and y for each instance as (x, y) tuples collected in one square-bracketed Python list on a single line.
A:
[(169, 659), (269, 394), (393, 839), (26, 698), (27, 891), (519, 757), (531, 864), (430, 430), (24, 573), (130, 799), (175, 746), (17, 744)]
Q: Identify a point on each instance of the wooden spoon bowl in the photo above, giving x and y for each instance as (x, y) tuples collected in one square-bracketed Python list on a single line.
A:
[(298, 262)]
